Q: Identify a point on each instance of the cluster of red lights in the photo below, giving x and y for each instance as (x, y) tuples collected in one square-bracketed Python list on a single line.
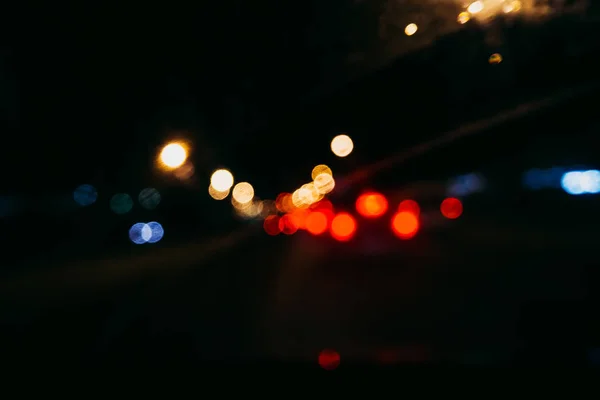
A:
[(320, 217)]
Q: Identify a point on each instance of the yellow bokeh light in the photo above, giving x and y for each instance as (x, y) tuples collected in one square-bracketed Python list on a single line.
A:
[(475, 7), (243, 193), (342, 145), (216, 194), (320, 169), (512, 7), (463, 17), (495, 58), (173, 155), (221, 180), (305, 196), (324, 183), (411, 29)]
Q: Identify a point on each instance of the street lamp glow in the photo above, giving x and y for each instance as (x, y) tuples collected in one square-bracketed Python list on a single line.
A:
[(221, 180), (173, 155), (342, 145)]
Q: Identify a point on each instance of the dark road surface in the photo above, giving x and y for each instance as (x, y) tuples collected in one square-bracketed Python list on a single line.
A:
[(468, 291)]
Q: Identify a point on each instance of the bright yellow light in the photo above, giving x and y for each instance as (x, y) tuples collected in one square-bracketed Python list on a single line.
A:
[(514, 6), (173, 155), (475, 7), (410, 29), (324, 183), (463, 17), (243, 193), (305, 196), (221, 180), (320, 169), (342, 145), (217, 195)]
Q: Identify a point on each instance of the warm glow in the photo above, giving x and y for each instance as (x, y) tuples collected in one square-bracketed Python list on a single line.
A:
[(463, 17), (287, 225), (243, 193), (410, 29), (343, 227), (371, 205), (173, 155), (217, 195), (324, 183), (405, 225), (451, 208), (475, 7), (342, 145), (221, 180), (495, 58), (316, 222), (410, 206), (320, 169)]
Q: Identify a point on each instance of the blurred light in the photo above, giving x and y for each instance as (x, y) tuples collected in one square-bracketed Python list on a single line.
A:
[(316, 222), (475, 7), (157, 232), (322, 205), (140, 233), (463, 17), (465, 185), (405, 224), (121, 203), (149, 198), (243, 193), (371, 205), (320, 169), (410, 206), (581, 182), (329, 359), (173, 155), (284, 202), (343, 227), (495, 58), (512, 7), (221, 180), (342, 145), (215, 194), (410, 29), (287, 225), (305, 196), (324, 183), (250, 210), (85, 195), (185, 172), (451, 208), (271, 225)]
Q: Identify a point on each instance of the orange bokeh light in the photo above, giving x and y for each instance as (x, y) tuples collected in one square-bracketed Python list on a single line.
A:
[(343, 227), (371, 205), (451, 208), (329, 359), (410, 206), (316, 222), (271, 225), (405, 224)]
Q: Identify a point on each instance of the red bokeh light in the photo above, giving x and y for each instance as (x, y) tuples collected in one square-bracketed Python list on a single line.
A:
[(451, 208), (271, 225), (343, 227), (329, 359), (405, 225), (316, 222), (410, 206), (287, 225), (371, 205)]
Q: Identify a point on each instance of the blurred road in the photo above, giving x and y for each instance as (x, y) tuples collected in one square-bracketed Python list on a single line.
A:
[(466, 289)]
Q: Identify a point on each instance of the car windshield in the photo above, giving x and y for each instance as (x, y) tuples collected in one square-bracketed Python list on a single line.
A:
[(371, 183)]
